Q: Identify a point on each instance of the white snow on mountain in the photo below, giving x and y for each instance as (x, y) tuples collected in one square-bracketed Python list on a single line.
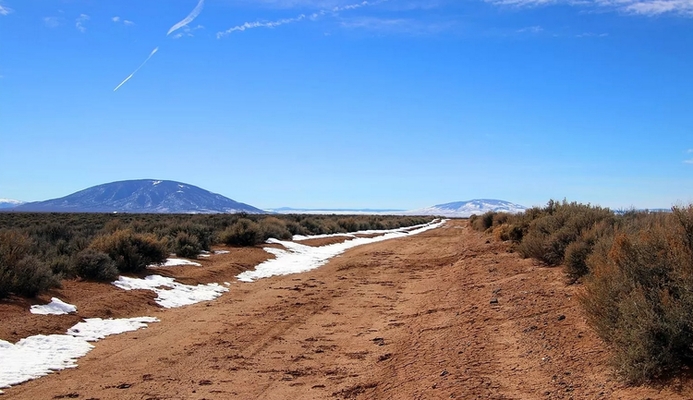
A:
[(10, 203), (465, 209)]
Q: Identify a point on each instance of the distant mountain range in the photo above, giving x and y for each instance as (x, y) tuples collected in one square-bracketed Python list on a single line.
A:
[(9, 203), (465, 209), (142, 196), (159, 196)]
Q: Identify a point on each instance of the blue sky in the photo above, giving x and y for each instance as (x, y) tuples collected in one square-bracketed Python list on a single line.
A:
[(337, 103)]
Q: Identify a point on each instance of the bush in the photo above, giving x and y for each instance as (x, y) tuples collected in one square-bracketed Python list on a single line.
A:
[(21, 272), (6, 279), (553, 229), (185, 245), (639, 296), (483, 222), (274, 228), (132, 252), (32, 277), (243, 232), (93, 264), (62, 266)]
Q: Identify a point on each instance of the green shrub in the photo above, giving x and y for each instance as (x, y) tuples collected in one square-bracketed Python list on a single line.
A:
[(553, 229), (132, 252), (31, 277), (243, 232), (62, 266), (185, 245), (274, 228), (95, 265), (6, 279)]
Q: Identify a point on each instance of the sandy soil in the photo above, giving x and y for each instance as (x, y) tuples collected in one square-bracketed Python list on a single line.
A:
[(444, 314)]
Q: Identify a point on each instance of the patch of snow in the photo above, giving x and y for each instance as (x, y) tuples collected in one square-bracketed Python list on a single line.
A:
[(300, 238), (300, 258), (40, 355), (55, 307), (156, 183), (206, 254), (174, 262), (172, 294), (95, 329)]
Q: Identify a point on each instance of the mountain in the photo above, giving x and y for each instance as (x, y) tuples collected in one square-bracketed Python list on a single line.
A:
[(142, 196), (9, 203), (464, 209)]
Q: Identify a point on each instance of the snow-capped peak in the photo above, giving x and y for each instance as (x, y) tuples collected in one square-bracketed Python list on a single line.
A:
[(465, 209)]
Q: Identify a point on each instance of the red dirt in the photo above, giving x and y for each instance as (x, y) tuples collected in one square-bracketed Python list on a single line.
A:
[(399, 319)]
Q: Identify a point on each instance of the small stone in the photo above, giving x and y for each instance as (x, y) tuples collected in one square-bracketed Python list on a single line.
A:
[(494, 301), (561, 317)]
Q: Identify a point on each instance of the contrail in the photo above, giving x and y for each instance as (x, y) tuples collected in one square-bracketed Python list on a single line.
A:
[(313, 16), (138, 68), (193, 14)]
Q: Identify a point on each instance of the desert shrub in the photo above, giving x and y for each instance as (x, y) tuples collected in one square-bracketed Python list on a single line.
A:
[(31, 277), (274, 228), (552, 230), (639, 296), (95, 265), (295, 228), (132, 252), (203, 235), (506, 231), (482, 222), (186, 245), (243, 232), (350, 224), (6, 279), (62, 266), (21, 272), (14, 246)]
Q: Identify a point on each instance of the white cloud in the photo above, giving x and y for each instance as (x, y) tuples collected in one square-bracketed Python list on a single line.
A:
[(190, 18), (117, 19), (531, 29), (187, 31), (591, 34), (689, 151), (637, 7), (51, 22), (688, 161), (79, 22), (5, 10), (333, 10)]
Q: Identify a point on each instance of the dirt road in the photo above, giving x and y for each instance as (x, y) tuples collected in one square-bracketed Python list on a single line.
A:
[(445, 314)]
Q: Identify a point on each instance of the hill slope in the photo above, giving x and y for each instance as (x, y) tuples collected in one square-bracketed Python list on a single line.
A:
[(464, 209), (142, 196)]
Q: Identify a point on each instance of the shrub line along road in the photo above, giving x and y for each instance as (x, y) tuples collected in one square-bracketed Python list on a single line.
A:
[(444, 314)]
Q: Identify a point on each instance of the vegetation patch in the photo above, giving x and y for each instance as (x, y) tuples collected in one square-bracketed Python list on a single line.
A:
[(637, 272)]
